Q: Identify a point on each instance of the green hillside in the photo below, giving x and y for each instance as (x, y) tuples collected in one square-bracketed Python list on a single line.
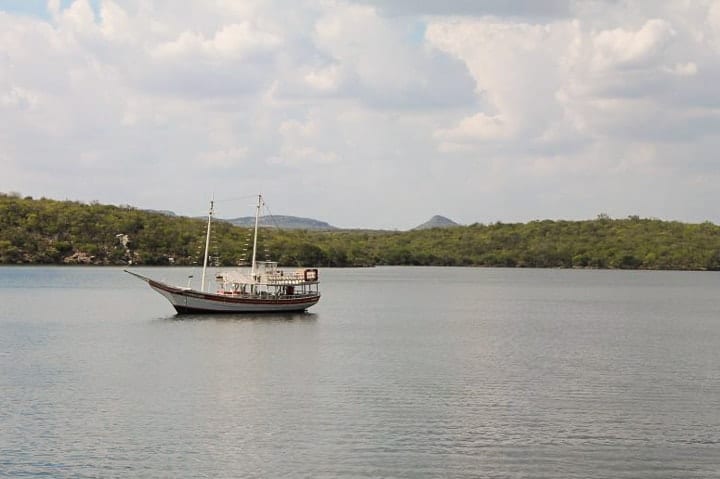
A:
[(63, 232)]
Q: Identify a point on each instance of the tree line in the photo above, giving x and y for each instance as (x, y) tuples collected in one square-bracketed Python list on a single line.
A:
[(44, 231)]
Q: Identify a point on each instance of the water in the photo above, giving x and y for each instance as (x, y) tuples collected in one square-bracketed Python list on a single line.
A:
[(397, 372)]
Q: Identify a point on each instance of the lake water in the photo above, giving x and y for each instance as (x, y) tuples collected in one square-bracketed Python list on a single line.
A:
[(397, 372)]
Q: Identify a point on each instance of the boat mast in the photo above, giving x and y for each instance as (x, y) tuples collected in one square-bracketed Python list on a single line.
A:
[(207, 243), (257, 218)]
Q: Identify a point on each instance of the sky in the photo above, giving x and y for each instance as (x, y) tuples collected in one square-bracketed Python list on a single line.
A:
[(366, 113)]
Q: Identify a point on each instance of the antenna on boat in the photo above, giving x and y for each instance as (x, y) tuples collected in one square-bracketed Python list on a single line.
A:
[(207, 241)]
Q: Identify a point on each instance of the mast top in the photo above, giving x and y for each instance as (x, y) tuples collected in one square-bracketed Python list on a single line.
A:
[(207, 241), (257, 219)]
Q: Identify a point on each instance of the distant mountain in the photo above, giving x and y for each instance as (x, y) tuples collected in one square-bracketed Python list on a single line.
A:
[(437, 221), (285, 222)]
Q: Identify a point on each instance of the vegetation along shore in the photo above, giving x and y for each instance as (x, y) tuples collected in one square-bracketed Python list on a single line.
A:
[(43, 231)]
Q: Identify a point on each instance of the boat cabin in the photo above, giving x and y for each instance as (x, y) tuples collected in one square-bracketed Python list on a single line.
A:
[(268, 280)]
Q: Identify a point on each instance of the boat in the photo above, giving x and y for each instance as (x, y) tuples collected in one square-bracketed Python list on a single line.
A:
[(264, 288)]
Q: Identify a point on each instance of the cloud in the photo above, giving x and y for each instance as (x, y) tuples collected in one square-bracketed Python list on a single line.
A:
[(479, 127), (326, 79), (683, 69), (379, 113), (362, 55), (631, 49), (231, 42), (518, 8), (518, 69), (224, 158), (19, 98)]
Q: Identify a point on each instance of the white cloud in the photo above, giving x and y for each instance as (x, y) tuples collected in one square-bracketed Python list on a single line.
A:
[(304, 156), (229, 158), (479, 127), (324, 79), (54, 7), (683, 69), (368, 57), (517, 68), (623, 48), (19, 98), (231, 42), (513, 8), (481, 111), (713, 16)]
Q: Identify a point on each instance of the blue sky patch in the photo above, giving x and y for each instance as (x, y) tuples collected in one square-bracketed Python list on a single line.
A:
[(38, 8)]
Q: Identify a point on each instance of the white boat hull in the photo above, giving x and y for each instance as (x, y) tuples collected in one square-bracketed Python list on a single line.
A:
[(192, 301), (197, 302)]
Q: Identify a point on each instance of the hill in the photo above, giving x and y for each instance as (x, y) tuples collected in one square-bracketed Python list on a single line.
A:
[(284, 222), (65, 232), (162, 212), (436, 221)]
